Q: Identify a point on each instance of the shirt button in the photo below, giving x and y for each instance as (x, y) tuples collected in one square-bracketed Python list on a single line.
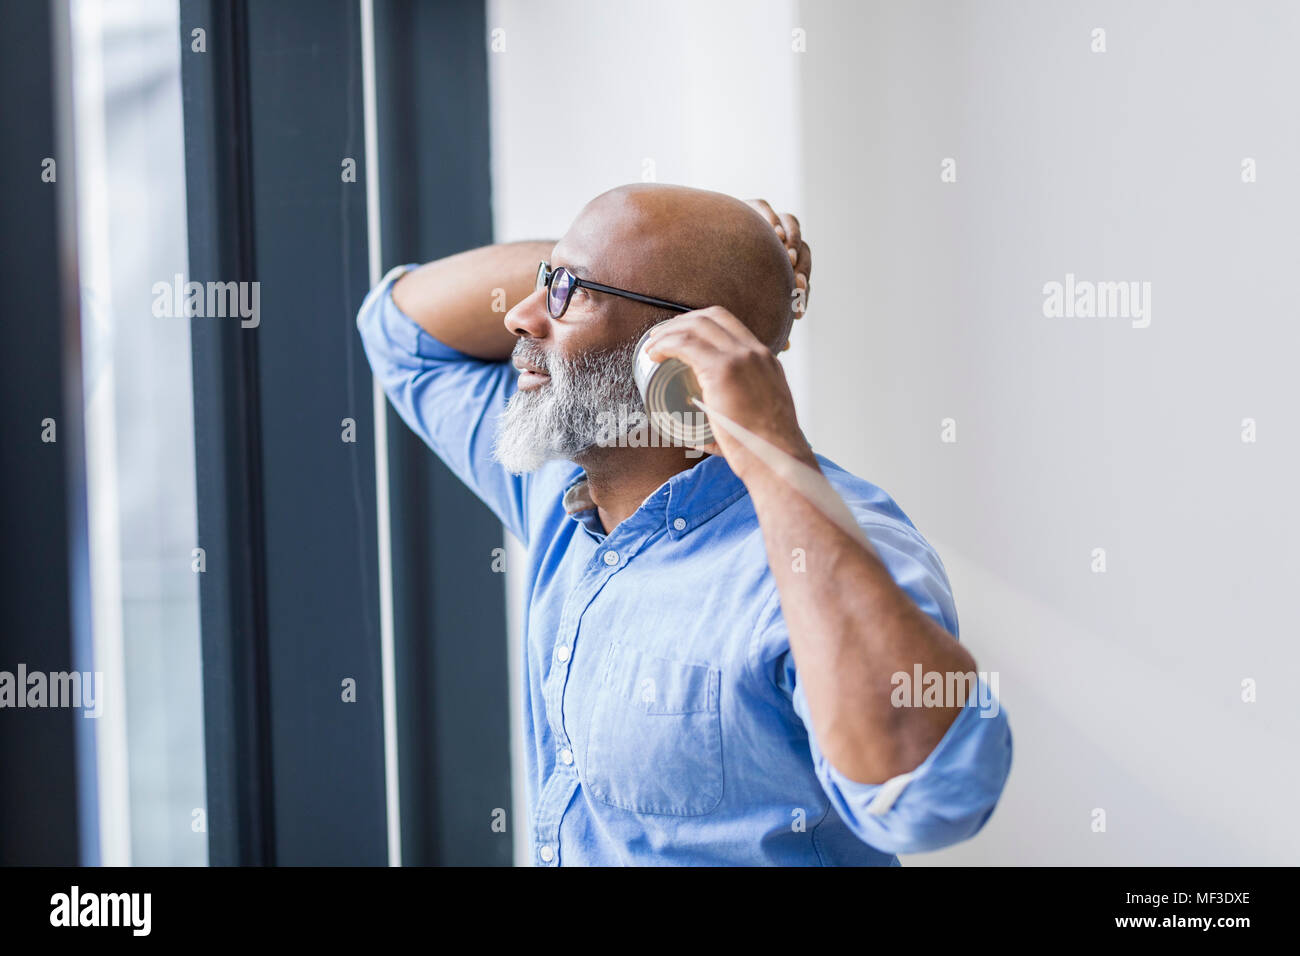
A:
[(611, 558), (566, 755), (548, 854), (562, 653), (679, 524)]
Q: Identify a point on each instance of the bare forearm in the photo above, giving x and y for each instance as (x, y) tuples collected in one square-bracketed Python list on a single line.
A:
[(462, 300), (851, 628)]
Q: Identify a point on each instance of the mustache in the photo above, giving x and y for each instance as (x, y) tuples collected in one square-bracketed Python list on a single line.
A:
[(529, 352), (526, 351)]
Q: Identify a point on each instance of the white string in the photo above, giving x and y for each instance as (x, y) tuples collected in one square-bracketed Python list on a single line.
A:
[(805, 479)]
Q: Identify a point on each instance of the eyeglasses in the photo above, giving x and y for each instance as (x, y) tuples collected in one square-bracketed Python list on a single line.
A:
[(560, 283)]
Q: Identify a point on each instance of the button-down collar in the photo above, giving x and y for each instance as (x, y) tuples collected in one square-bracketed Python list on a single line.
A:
[(687, 499)]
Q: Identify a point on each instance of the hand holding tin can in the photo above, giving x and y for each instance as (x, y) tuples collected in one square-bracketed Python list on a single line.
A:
[(669, 389), (708, 362)]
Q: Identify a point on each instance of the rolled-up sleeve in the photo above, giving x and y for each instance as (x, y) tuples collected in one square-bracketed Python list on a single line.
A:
[(945, 800), (953, 792), (450, 399)]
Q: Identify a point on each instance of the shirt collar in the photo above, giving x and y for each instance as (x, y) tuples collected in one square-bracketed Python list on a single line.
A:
[(688, 499)]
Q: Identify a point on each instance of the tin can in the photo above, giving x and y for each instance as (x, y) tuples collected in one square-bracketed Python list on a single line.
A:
[(667, 388)]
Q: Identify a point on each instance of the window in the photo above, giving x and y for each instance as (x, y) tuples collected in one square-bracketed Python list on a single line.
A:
[(139, 432)]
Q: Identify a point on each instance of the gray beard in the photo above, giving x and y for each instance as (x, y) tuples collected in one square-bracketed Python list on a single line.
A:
[(570, 413)]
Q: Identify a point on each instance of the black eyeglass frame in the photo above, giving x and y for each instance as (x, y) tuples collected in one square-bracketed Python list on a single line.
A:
[(546, 275)]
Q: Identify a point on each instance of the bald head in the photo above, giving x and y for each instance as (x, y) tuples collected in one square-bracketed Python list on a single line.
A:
[(691, 246)]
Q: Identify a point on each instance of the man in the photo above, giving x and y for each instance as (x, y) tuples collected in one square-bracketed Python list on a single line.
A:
[(712, 664)]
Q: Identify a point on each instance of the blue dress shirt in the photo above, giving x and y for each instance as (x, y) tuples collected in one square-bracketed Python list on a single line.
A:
[(664, 716)]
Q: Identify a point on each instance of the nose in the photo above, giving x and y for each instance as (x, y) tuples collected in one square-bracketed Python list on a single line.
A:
[(529, 317)]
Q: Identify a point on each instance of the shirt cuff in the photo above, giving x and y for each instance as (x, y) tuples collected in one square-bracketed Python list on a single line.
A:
[(390, 333), (945, 800)]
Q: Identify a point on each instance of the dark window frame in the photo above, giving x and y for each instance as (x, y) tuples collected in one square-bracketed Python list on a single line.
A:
[(49, 800), (289, 601), (290, 598)]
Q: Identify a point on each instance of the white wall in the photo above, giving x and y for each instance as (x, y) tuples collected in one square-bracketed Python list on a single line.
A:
[(1123, 688)]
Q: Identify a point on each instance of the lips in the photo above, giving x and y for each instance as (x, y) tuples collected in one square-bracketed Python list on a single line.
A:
[(525, 366), (530, 376)]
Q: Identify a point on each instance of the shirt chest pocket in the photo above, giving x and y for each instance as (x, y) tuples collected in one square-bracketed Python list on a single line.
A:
[(655, 740)]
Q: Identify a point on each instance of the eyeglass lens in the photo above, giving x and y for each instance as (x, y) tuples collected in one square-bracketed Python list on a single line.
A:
[(558, 297)]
